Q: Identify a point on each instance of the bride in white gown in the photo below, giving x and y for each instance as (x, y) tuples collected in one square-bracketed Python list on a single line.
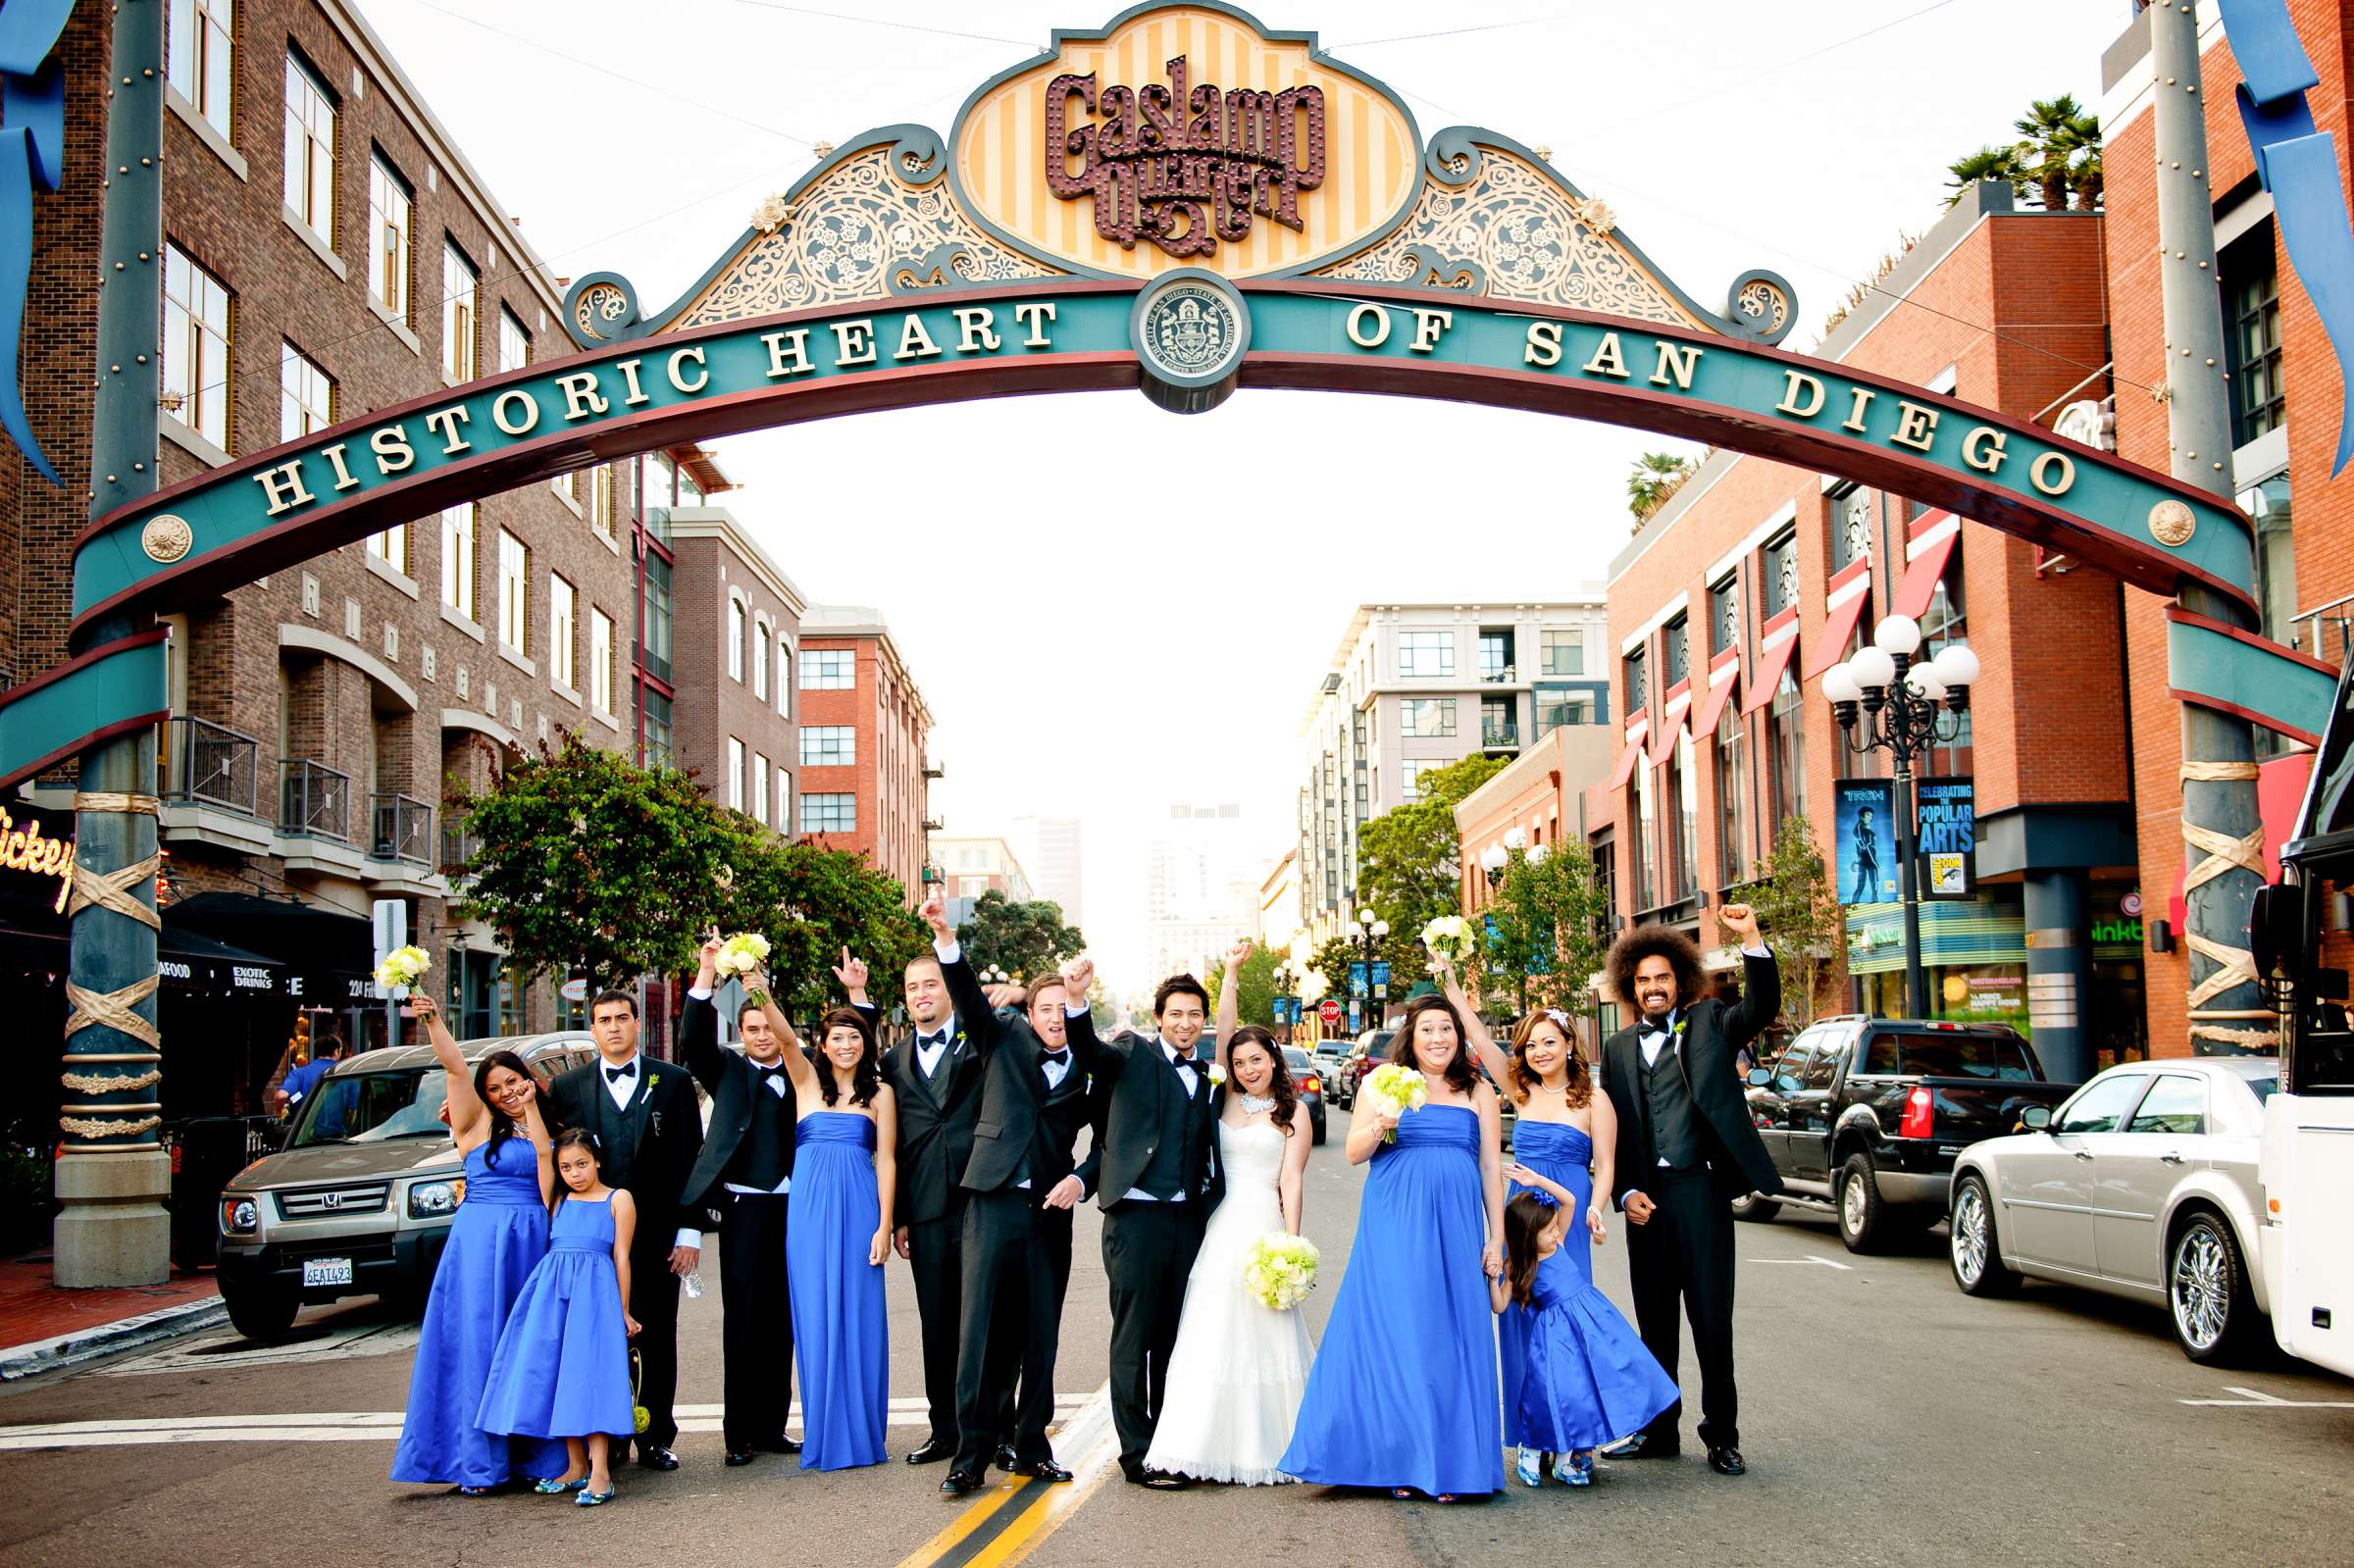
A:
[(1239, 1369)]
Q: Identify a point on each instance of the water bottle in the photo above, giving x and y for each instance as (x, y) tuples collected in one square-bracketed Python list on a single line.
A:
[(695, 1284)]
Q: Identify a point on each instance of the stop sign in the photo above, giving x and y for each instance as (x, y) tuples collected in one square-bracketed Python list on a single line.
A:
[(1330, 1013)]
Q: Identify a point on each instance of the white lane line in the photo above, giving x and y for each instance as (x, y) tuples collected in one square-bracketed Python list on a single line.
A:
[(344, 1426), (1827, 1263), (2255, 1399)]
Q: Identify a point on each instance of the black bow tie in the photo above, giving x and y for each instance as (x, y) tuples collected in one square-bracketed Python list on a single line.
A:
[(1062, 1058), (614, 1075), (1660, 1036), (770, 1072), (927, 1041)]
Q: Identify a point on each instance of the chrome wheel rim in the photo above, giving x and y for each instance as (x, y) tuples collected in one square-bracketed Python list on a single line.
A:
[(2200, 1287), (1851, 1205), (1970, 1235)]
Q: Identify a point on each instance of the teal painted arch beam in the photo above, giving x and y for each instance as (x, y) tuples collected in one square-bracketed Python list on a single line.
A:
[(2236, 672), (405, 463)]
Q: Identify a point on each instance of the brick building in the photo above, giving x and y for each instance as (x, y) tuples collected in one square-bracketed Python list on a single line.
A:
[(971, 866), (1733, 599), (864, 735), (328, 250), (734, 651)]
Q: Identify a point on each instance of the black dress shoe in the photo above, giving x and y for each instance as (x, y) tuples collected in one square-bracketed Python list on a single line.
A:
[(1037, 1469), (782, 1445), (934, 1450), (1642, 1446), (962, 1482), (738, 1458), (1163, 1480), (1728, 1462), (653, 1457), (1007, 1458)]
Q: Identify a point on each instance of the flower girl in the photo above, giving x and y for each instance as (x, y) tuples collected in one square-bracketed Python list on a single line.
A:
[(562, 1369)]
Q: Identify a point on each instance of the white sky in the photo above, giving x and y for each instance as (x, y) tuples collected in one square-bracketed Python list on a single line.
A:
[(1725, 135)]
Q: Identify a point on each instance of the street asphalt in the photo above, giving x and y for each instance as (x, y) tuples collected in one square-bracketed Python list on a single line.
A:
[(1887, 1419)]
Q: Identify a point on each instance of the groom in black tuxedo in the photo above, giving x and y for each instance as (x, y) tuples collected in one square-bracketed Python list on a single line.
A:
[(1156, 1153), (650, 1134), (746, 1174), (1686, 1150)]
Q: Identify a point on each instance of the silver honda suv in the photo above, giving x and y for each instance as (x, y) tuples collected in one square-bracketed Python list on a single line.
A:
[(360, 1199)]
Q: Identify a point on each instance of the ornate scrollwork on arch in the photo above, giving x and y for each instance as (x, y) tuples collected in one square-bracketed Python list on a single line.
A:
[(1761, 305), (603, 308)]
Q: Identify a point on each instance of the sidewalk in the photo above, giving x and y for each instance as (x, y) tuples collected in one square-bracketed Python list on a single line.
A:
[(43, 1328)]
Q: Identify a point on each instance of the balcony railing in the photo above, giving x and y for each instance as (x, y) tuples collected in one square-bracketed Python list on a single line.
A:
[(314, 798), (210, 763), (403, 829), (1503, 677), (458, 849), (1492, 735)]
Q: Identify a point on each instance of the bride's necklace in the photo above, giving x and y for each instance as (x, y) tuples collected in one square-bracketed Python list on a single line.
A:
[(1256, 1104)]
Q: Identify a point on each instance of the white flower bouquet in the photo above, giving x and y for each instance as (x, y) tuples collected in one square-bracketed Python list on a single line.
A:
[(1395, 1090), (741, 955), (402, 968), (1280, 1269), (1450, 937)]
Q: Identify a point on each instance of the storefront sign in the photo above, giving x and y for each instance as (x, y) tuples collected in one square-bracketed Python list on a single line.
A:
[(26, 849), (1946, 831), (1864, 813)]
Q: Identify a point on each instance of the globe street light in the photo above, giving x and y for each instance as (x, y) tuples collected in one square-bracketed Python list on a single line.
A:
[(1885, 700)]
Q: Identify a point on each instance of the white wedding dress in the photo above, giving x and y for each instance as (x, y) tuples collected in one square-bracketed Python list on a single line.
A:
[(1239, 1370)]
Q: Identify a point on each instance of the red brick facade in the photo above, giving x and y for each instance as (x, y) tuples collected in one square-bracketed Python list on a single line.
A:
[(890, 727)]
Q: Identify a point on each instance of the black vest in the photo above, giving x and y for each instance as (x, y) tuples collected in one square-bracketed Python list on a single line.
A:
[(1173, 1168), (1675, 1119), (763, 1156)]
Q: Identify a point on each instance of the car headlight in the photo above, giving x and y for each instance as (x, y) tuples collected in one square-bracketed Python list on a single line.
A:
[(239, 1216), (430, 1201)]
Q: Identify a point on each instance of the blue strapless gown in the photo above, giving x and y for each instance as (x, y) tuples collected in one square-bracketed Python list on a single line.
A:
[(499, 1236), (1403, 1393), (1562, 1154), (563, 1364), (839, 1331), (1587, 1379)]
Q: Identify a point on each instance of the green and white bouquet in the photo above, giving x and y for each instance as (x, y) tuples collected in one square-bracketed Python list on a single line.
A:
[(1450, 938), (402, 968), (1280, 1269), (1395, 1090), (741, 955)]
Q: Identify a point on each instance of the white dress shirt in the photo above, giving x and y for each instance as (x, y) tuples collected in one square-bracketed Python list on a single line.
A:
[(625, 1089), (1136, 1193), (928, 1056), (776, 1085)]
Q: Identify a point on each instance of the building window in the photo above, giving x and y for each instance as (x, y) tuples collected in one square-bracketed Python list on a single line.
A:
[(306, 398), (1675, 647), (783, 681), (392, 547), (1415, 768), (759, 791), (1498, 724), (602, 508), (310, 151), (1724, 617), (735, 641), (1427, 653), (734, 774), (1605, 880), (1732, 800), (1427, 717), (1850, 528), (1557, 710), (560, 601), (514, 343), (759, 661), (659, 752), (1638, 683), (388, 240), (2267, 504), (829, 670), (1496, 656), (459, 283), (568, 485), (784, 801), (657, 494), (1564, 651), (196, 347), (1683, 793), (2251, 285), (829, 813), (1646, 846), (600, 661), (655, 625), (1786, 738), (829, 745), (457, 558), (514, 593), (200, 57), (1781, 575), (1944, 622)]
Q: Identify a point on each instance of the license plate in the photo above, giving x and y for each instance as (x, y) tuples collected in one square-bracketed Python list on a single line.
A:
[(325, 1271)]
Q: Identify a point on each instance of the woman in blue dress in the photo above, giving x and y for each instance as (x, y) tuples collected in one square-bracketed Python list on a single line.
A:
[(845, 1140), (499, 1236), (1559, 1129), (562, 1370), (1403, 1393), (1587, 1380)]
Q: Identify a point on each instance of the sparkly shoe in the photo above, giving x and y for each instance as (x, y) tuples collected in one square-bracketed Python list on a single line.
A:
[(591, 1499), (552, 1488), (1576, 1469), (1532, 1468)]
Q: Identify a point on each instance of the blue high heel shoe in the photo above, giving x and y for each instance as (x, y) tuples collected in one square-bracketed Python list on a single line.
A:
[(1531, 1468), (1576, 1469)]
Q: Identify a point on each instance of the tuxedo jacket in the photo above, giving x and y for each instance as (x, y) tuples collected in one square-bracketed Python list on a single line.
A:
[(1143, 1100), (730, 1079), (1022, 1129), (647, 1148), (1713, 1033), (936, 1118)]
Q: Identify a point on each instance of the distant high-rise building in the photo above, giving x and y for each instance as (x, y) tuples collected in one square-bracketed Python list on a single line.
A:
[(1201, 885), (1049, 847)]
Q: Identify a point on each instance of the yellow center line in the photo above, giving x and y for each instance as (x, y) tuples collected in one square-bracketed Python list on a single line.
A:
[(972, 1518), (1011, 1539)]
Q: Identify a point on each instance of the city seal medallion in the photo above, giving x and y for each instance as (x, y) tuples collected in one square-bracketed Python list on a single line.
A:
[(166, 539), (2171, 523), (1190, 330)]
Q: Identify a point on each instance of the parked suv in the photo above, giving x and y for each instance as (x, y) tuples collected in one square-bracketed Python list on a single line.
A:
[(360, 1199), (1865, 1115)]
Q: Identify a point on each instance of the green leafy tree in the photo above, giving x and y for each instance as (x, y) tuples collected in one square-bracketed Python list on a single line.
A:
[(2056, 138), (1409, 865), (1255, 987), (1656, 477), (1331, 959), (1547, 915), (810, 903), (1798, 912), (586, 864), (1024, 938), (1998, 164)]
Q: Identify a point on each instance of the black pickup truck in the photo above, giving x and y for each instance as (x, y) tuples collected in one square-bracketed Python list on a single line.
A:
[(1863, 1115)]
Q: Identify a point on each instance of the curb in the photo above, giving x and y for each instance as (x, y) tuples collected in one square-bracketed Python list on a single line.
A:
[(42, 1356)]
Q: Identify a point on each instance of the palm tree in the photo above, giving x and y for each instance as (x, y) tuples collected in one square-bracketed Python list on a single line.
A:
[(2055, 136), (1656, 475), (2000, 164)]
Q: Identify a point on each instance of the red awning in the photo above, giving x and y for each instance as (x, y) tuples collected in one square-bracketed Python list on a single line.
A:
[(1625, 768), (1726, 671), (1772, 662), (1676, 704), (1663, 743), (1847, 595), (1927, 564)]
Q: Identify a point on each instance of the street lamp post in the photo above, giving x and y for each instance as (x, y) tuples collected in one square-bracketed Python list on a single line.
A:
[(1282, 992), (1887, 700), (1375, 930)]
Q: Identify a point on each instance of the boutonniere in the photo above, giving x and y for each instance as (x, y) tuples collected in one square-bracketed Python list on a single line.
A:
[(1679, 1024), (1217, 1076)]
